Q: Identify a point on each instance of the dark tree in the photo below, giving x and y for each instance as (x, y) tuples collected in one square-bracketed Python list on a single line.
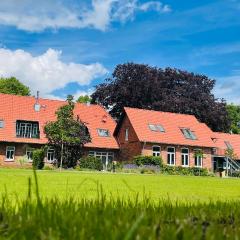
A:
[(13, 86), (67, 135), (172, 90)]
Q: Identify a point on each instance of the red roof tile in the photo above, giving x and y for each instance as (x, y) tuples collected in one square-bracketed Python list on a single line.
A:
[(233, 139), (13, 108), (172, 123)]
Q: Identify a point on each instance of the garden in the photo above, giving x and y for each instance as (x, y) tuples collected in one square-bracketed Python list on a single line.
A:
[(49, 204)]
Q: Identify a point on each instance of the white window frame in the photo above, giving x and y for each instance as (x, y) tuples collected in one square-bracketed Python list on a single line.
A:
[(29, 150), (50, 151), (198, 158), (126, 134), (12, 159), (99, 155), (185, 157), (156, 153), (171, 154)]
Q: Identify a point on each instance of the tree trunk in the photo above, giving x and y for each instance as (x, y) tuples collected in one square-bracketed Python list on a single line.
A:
[(61, 162)]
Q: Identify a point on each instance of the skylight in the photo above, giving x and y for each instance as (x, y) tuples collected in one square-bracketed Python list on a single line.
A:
[(228, 144), (188, 133), (103, 132), (1, 123), (156, 127)]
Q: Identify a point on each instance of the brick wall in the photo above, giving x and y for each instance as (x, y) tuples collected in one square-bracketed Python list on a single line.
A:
[(207, 159), (20, 151), (132, 147)]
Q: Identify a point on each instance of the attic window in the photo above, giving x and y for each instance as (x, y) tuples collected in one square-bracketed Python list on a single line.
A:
[(188, 133), (1, 124), (156, 127), (103, 132), (228, 144)]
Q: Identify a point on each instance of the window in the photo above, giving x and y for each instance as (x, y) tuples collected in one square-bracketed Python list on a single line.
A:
[(103, 132), (188, 133), (156, 150), (26, 129), (156, 127), (1, 124), (171, 156), (105, 157), (29, 154), (126, 134), (50, 155), (198, 159), (185, 157), (228, 144), (10, 152)]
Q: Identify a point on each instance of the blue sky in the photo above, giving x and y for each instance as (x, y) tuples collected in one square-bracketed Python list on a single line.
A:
[(67, 47)]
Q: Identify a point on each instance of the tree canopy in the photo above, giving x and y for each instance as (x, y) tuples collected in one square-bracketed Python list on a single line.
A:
[(67, 135), (234, 114), (171, 90), (84, 99), (13, 86)]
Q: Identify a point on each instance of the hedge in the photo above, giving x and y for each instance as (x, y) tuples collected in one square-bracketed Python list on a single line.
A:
[(90, 163), (147, 160)]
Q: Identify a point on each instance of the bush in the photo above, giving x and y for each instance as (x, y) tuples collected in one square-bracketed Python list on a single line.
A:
[(90, 163), (38, 158), (179, 170), (147, 160)]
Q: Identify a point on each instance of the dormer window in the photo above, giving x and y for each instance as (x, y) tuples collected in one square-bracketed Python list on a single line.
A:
[(156, 128), (1, 124), (103, 132), (27, 129), (188, 134)]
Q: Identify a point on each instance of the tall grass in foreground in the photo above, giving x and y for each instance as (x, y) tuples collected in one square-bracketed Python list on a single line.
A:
[(37, 218)]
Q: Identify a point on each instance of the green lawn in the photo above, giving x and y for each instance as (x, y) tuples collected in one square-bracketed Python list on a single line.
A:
[(87, 184)]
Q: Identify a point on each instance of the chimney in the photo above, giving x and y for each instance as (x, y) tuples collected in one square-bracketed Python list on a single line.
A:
[(37, 105)]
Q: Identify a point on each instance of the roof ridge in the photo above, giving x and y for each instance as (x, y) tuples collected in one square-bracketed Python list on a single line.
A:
[(151, 110), (40, 98)]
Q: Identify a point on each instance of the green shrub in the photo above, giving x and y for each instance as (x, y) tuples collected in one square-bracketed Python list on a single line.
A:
[(147, 160), (38, 158), (90, 163), (179, 170)]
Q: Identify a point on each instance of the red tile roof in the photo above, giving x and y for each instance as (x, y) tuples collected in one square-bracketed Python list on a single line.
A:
[(233, 139), (14, 108), (172, 123)]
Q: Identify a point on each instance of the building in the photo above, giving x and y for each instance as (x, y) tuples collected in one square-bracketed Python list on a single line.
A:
[(224, 142), (180, 139), (22, 121)]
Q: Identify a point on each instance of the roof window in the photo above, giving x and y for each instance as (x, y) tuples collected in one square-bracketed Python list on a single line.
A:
[(156, 127), (188, 134), (228, 144), (1, 124), (103, 132)]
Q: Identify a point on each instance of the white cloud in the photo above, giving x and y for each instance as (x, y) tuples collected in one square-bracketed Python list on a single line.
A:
[(228, 88), (46, 72), (33, 15)]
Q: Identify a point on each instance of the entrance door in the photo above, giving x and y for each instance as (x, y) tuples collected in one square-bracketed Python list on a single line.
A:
[(106, 159)]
